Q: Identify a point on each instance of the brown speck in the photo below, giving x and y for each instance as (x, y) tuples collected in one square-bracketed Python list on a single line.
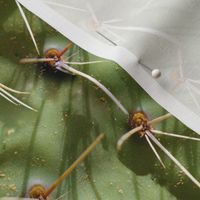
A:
[(13, 38), (86, 177), (12, 187), (10, 131), (102, 99), (66, 114), (121, 191), (2, 175)]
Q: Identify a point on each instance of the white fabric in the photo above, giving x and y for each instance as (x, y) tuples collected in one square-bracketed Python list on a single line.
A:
[(160, 34)]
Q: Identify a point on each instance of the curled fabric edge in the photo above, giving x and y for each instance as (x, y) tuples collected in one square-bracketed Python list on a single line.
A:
[(127, 60)]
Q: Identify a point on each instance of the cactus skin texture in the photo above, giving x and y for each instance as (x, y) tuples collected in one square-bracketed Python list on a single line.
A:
[(35, 148)]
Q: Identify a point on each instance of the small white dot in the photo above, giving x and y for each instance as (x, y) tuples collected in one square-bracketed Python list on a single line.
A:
[(156, 73)]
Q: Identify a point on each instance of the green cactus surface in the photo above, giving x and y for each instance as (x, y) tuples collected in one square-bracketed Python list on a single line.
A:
[(37, 147)]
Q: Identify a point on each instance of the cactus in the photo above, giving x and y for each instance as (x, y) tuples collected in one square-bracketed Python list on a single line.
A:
[(37, 147)]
